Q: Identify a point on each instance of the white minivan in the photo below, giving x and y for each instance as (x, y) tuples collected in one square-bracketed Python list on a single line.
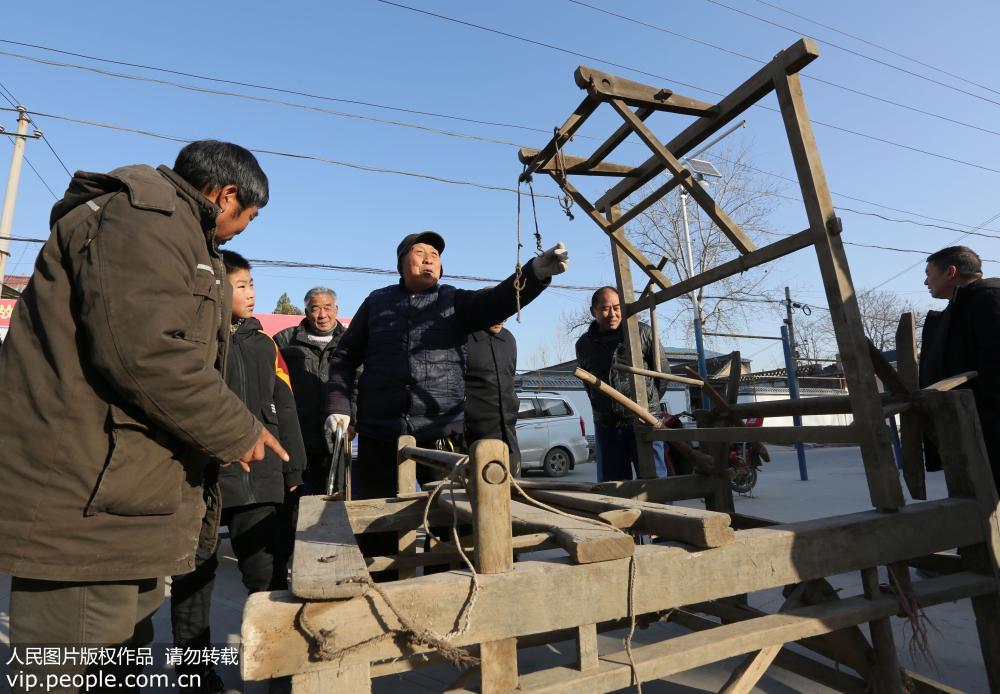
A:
[(550, 434)]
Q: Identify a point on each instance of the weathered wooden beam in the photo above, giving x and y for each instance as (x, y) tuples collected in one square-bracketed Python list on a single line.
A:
[(885, 373), (709, 390), (791, 60), (911, 428), (959, 439), (952, 382), (792, 661), (387, 515), (606, 87), (915, 683), (577, 166), (659, 374), (618, 239), (885, 673), (616, 395), (658, 490), (690, 525), (811, 434), (750, 671), (562, 135), (444, 553), (326, 563), (406, 483), (762, 255), (585, 541), (826, 404), (873, 438), (616, 138), (701, 648), (540, 596), (489, 492), (648, 201), (715, 212)]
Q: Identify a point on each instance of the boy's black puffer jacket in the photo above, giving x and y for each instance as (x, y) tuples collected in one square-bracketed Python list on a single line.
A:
[(257, 374)]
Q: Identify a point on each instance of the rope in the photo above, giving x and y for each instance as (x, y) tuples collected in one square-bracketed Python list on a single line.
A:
[(631, 573), (519, 281), (565, 200)]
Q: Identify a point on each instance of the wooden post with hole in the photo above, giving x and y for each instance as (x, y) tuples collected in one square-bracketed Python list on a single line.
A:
[(489, 488), (406, 483)]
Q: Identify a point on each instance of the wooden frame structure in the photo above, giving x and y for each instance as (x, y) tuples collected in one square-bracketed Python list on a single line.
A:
[(335, 629)]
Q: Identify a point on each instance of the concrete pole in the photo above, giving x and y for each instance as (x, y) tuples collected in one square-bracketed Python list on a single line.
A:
[(10, 196)]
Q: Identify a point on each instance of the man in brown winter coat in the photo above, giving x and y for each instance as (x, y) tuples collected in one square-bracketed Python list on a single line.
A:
[(112, 398)]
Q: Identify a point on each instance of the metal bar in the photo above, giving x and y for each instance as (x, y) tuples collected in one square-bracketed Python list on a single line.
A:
[(793, 393), (430, 457), (748, 337)]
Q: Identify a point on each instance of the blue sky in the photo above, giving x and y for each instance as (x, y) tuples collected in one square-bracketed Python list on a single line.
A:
[(373, 52)]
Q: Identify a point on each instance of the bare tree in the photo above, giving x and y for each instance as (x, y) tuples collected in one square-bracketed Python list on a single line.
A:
[(749, 200), (880, 312)]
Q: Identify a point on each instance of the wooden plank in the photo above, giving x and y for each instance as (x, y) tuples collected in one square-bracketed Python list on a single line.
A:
[(733, 384), (955, 424), (578, 166), (615, 139), (562, 136), (406, 483), (810, 434), (952, 382), (886, 674), (618, 239), (911, 428), (659, 490), (750, 671), (916, 683), (792, 59), (350, 679), (659, 374), (632, 406), (444, 552), (539, 596), (709, 390), (880, 469), (586, 647), (585, 542), (792, 661), (386, 515), (326, 563), (607, 86), (489, 491), (885, 373), (701, 648), (651, 199), (690, 525), (765, 254), (715, 212), (825, 404)]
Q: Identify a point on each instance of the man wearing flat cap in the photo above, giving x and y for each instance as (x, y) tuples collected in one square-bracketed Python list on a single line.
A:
[(410, 337)]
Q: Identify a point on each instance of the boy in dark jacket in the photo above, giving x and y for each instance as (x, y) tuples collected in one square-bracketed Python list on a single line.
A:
[(251, 499)]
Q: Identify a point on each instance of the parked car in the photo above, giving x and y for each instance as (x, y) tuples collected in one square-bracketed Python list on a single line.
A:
[(550, 434)]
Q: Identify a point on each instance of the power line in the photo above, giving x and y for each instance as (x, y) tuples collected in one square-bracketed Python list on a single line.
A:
[(759, 61), (258, 99), (856, 53), (879, 46), (9, 96), (857, 133), (383, 106), (273, 88), (295, 155)]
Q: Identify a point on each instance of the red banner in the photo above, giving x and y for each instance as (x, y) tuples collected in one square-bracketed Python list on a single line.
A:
[(6, 309)]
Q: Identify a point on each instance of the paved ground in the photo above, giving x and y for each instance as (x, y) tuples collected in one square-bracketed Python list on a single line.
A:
[(836, 486)]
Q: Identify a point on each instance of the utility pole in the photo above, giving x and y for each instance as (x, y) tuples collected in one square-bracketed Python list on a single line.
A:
[(13, 178), (791, 366)]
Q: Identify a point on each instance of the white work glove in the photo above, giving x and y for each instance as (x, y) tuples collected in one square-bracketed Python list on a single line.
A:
[(334, 421), (552, 262)]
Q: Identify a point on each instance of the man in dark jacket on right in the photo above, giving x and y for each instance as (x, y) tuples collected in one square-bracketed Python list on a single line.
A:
[(596, 351), (965, 336), (306, 349)]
